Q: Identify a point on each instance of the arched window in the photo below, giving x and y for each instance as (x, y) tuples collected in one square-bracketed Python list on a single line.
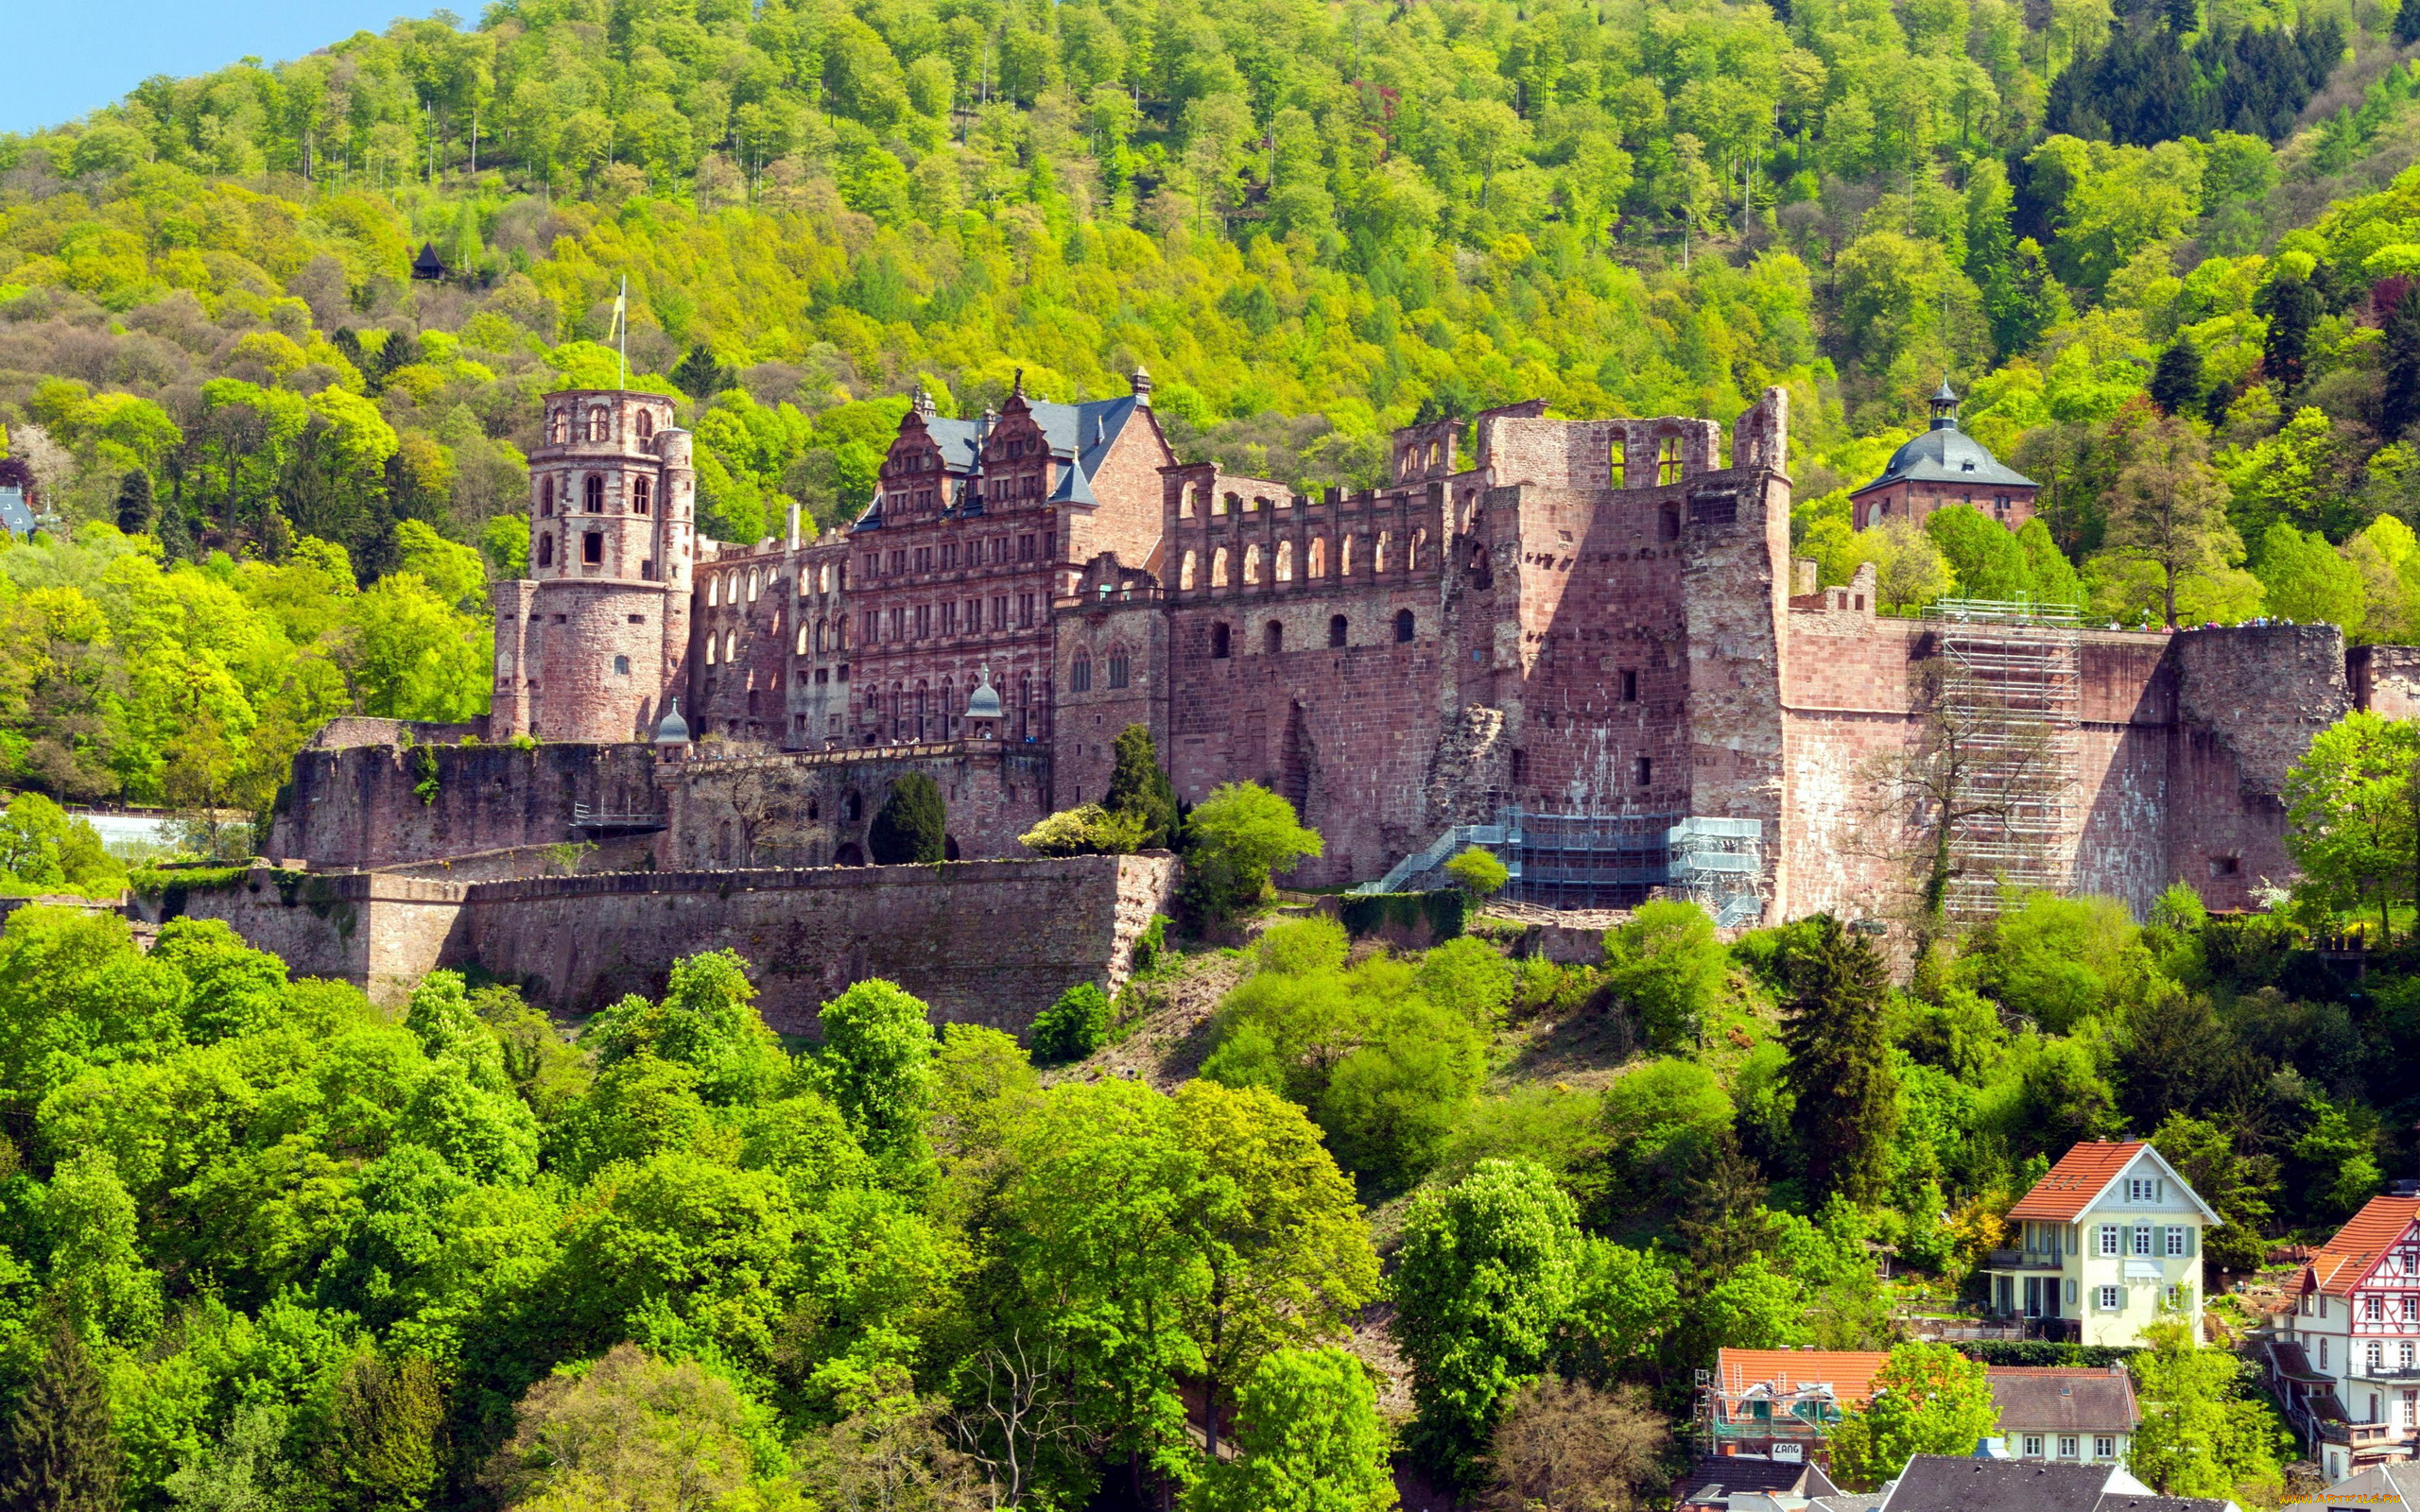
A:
[(1272, 638), (714, 592), (621, 666), (1255, 504), (1285, 562), (710, 649), (1079, 674), (545, 550), (1668, 459), (1218, 642), (1316, 559), (593, 493), (1118, 667), (547, 497), (599, 428), (1403, 626), (592, 548), (1223, 503), (1419, 539), (642, 495), (1669, 526), (1345, 555), (1219, 568), (853, 808), (1378, 553), (801, 638), (1252, 565), (752, 585), (1184, 572), (1617, 463), (731, 644), (1336, 629), (646, 424), (555, 427)]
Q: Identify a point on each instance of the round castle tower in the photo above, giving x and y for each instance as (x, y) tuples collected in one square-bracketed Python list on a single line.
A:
[(592, 645)]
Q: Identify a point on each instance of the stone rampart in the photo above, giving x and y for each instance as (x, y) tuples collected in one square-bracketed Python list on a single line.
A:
[(982, 942)]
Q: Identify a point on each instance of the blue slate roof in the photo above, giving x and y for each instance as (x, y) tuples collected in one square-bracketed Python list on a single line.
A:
[(14, 516), (1944, 454), (1080, 434)]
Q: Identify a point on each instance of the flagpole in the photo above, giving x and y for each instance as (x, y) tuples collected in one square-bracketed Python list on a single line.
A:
[(622, 319)]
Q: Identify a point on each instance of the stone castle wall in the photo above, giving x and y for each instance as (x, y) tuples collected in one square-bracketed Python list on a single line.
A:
[(574, 944)]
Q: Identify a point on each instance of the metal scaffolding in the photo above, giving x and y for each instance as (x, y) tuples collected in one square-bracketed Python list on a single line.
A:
[(2010, 701), (1606, 861)]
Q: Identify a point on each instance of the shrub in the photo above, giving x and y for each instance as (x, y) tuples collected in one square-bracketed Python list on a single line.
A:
[(1072, 1028), (913, 824), (1086, 831), (1666, 964), (1240, 836), (1477, 872)]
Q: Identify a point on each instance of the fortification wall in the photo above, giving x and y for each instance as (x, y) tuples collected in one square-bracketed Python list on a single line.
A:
[(814, 808), (362, 807), (2385, 679), (985, 942)]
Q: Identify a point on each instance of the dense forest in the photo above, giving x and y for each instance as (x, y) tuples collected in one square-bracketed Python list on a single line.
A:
[(2165, 250)]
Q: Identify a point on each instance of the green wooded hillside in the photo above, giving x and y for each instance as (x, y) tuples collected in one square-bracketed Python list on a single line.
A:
[(2164, 248)]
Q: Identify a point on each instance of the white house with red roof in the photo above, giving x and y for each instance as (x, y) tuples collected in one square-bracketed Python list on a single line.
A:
[(2345, 1359), (2106, 1241)]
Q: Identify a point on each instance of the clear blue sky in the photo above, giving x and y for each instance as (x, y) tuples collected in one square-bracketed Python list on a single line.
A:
[(67, 57)]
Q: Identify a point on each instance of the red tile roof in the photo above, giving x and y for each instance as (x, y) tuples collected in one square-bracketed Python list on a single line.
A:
[(1848, 1372), (2082, 1174), (2338, 1264)]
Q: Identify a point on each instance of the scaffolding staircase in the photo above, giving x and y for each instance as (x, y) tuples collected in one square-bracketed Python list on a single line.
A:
[(1605, 861), (2010, 692)]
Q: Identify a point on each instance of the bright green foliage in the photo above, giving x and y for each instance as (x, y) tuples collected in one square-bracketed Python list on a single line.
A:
[(1662, 1121), (1309, 1441), (1839, 1065), (1071, 1029), (41, 850), (1488, 1270), (2351, 808), (707, 1022), (1665, 963), (2058, 960), (913, 824), (1391, 1105), (1236, 840), (2204, 1433), (1477, 872), (2307, 581), (632, 1430), (1086, 829), (877, 1063), (1622, 1307), (1927, 1400), (1470, 976)]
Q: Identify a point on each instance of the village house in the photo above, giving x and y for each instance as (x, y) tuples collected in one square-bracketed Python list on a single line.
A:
[(2107, 1242), (2073, 1415), (2345, 1359)]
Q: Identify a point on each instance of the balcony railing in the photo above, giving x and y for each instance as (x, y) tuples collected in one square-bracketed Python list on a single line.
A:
[(2021, 1260)]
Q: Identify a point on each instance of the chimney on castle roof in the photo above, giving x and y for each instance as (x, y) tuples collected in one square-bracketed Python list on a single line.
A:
[(1141, 381), (923, 403), (793, 525)]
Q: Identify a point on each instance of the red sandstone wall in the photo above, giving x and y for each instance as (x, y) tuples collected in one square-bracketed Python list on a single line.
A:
[(359, 807), (813, 808)]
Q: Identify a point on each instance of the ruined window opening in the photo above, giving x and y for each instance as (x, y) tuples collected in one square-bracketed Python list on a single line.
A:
[(545, 498), (593, 493), (1668, 526), (1335, 628), (1668, 459), (1218, 643), (1252, 566), (1285, 562), (1419, 539), (1226, 504), (1644, 770), (621, 666), (1630, 687), (731, 647), (1403, 626), (1617, 463), (642, 496), (592, 548), (710, 650), (1273, 639), (1316, 559), (646, 426), (752, 585), (545, 550), (1344, 556), (1378, 552), (1219, 568)]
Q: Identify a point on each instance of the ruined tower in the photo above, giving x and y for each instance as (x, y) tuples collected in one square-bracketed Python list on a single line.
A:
[(595, 642)]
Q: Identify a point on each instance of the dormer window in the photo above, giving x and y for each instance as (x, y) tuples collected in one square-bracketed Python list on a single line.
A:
[(2144, 1189)]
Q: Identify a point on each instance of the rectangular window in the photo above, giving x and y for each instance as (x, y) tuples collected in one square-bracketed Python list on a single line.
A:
[(923, 558), (949, 556), (2104, 1446), (949, 617), (1024, 548), (2067, 1445), (2112, 1300), (1000, 611), (870, 633), (923, 621), (2033, 1446), (592, 547), (899, 560), (1024, 610), (1643, 771), (1630, 687), (2142, 1239), (2109, 1243), (2176, 1240), (874, 563), (2373, 1309), (975, 616)]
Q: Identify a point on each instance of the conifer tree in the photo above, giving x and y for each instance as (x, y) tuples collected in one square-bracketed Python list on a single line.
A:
[(385, 1458), (2399, 365), (2293, 307), (134, 510), (1840, 1063), (2176, 383), (2407, 23), (59, 1450), (1138, 786), (912, 825)]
